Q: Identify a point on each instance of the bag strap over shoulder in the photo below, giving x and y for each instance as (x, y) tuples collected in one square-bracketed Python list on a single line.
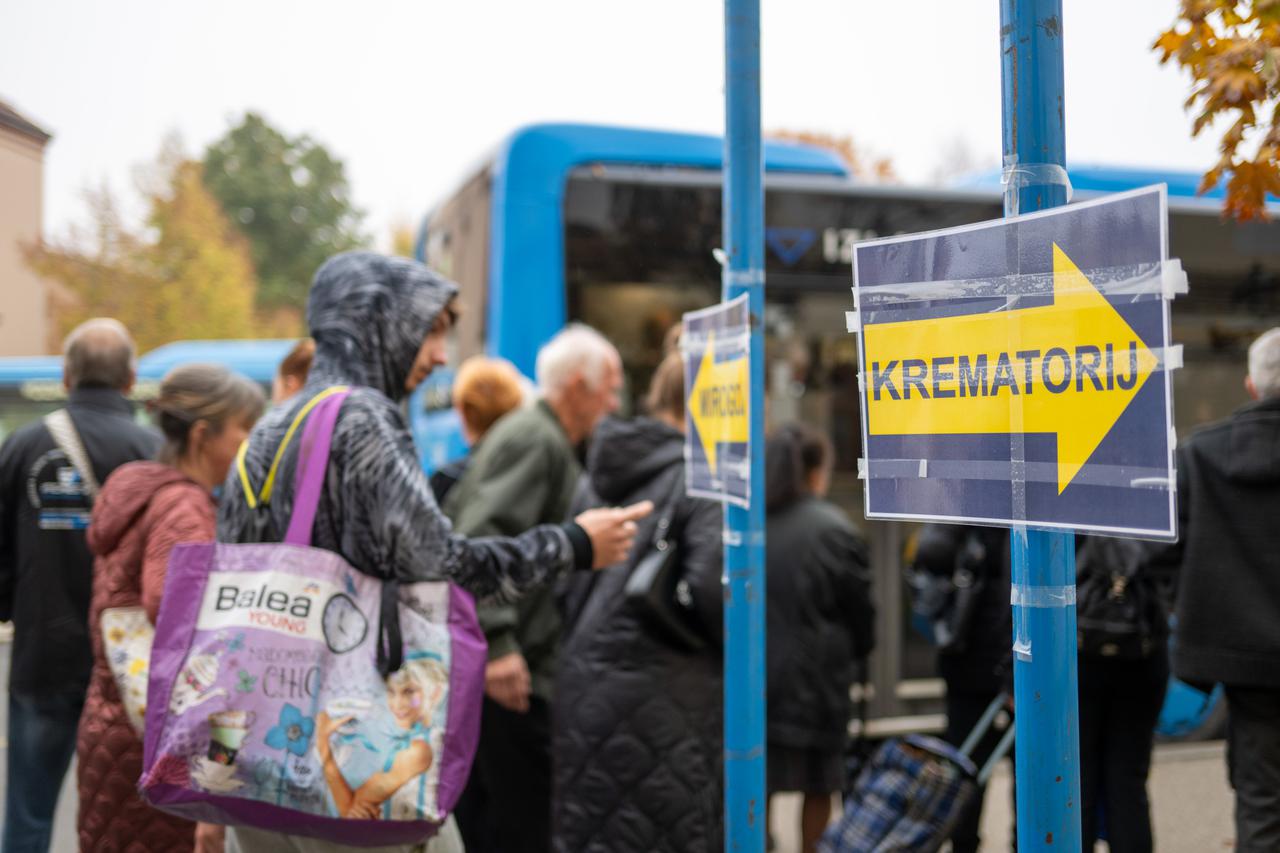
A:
[(313, 462), (64, 433), (254, 499), (662, 530)]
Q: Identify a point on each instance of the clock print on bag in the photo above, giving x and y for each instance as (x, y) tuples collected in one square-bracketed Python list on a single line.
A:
[(343, 623)]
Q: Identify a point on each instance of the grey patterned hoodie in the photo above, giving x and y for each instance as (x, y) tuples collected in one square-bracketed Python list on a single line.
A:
[(369, 315)]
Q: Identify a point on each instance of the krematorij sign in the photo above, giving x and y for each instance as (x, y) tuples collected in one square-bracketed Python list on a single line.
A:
[(1017, 371), (715, 344)]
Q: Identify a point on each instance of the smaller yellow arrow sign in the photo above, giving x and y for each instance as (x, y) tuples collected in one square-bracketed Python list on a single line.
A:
[(1069, 369), (719, 401)]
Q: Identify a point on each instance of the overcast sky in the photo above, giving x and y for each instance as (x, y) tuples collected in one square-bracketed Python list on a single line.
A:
[(411, 94)]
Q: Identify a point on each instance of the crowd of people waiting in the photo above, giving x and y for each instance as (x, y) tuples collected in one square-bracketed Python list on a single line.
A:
[(601, 722)]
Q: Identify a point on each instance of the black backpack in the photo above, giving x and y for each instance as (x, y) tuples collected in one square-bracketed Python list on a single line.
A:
[(1118, 608), (949, 604)]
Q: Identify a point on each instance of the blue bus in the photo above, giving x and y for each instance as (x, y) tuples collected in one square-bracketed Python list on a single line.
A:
[(616, 228)]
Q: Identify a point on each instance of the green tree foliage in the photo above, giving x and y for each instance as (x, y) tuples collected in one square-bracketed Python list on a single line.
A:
[(1232, 50), (290, 198), (188, 275)]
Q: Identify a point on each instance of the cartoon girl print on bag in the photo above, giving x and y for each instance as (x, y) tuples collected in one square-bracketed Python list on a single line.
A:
[(415, 692)]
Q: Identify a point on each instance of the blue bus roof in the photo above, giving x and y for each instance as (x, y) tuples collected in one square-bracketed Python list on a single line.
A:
[(593, 143), (14, 370), (526, 242), (256, 359)]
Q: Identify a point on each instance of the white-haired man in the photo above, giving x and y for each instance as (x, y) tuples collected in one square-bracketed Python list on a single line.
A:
[(49, 473), (1228, 608), (524, 474)]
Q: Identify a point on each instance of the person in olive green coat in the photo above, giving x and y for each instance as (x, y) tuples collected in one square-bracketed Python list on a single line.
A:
[(524, 473)]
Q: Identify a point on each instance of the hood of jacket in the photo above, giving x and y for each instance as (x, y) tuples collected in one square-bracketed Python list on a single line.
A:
[(369, 314), (1253, 451), (624, 455), (123, 499)]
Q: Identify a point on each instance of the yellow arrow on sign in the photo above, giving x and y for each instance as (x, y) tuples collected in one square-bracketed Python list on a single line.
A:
[(1069, 368), (719, 401)]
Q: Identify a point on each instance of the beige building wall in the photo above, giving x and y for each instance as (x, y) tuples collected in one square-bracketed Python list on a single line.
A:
[(23, 309)]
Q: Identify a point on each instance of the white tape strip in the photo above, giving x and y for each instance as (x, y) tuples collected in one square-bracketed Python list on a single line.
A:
[(862, 468), (1171, 357), (1151, 482), (1174, 279), (851, 323), (743, 278), (737, 538), (1132, 280), (1031, 595), (1013, 471)]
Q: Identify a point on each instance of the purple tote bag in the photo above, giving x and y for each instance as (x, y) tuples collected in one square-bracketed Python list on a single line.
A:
[(265, 706)]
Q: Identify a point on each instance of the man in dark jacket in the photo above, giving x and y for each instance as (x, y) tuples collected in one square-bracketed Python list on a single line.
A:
[(522, 475), (46, 569), (1228, 607)]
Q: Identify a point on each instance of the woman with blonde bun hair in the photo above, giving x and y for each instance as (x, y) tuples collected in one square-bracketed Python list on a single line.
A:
[(144, 509)]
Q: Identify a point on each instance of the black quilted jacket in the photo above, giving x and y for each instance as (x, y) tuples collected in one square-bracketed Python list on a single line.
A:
[(637, 740)]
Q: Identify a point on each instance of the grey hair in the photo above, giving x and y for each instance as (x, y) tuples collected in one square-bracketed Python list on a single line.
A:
[(99, 353), (1264, 363), (577, 350)]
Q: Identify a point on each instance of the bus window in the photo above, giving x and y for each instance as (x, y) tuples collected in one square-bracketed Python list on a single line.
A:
[(638, 254)]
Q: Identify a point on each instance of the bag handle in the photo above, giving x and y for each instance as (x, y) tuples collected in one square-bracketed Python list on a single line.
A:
[(64, 433), (264, 497), (313, 462), (662, 530)]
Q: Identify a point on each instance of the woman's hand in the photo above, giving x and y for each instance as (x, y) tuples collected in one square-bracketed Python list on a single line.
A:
[(363, 810), (612, 531), (327, 727)]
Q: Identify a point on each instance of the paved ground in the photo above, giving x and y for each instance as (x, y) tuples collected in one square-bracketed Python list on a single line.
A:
[(1190, 800)]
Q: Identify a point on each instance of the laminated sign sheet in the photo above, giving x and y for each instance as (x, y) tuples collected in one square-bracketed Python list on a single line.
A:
[(716, 345), (1017, 371)]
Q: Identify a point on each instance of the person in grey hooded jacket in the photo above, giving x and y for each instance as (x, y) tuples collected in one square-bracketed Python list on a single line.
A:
[(380, 324)]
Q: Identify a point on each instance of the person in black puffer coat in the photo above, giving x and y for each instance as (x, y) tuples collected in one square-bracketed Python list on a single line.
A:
[(637, 735), (821, 623)]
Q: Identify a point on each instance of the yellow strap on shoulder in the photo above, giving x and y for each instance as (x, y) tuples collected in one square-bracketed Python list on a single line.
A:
[(264, 496)]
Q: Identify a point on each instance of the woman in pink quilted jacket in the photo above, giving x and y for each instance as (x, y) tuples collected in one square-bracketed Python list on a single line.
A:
[(144, 509)]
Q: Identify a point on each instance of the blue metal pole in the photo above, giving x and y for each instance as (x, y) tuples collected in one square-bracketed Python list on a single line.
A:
[(743, 216), (1047, 740)]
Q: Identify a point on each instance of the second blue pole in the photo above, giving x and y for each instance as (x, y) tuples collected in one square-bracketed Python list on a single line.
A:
[(1047, 740), (743, 216)]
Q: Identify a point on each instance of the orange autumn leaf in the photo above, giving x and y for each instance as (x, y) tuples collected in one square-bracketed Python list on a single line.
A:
[(1231, 50)]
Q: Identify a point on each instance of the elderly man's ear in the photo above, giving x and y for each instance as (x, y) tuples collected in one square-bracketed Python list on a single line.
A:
[(1251, 388)]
